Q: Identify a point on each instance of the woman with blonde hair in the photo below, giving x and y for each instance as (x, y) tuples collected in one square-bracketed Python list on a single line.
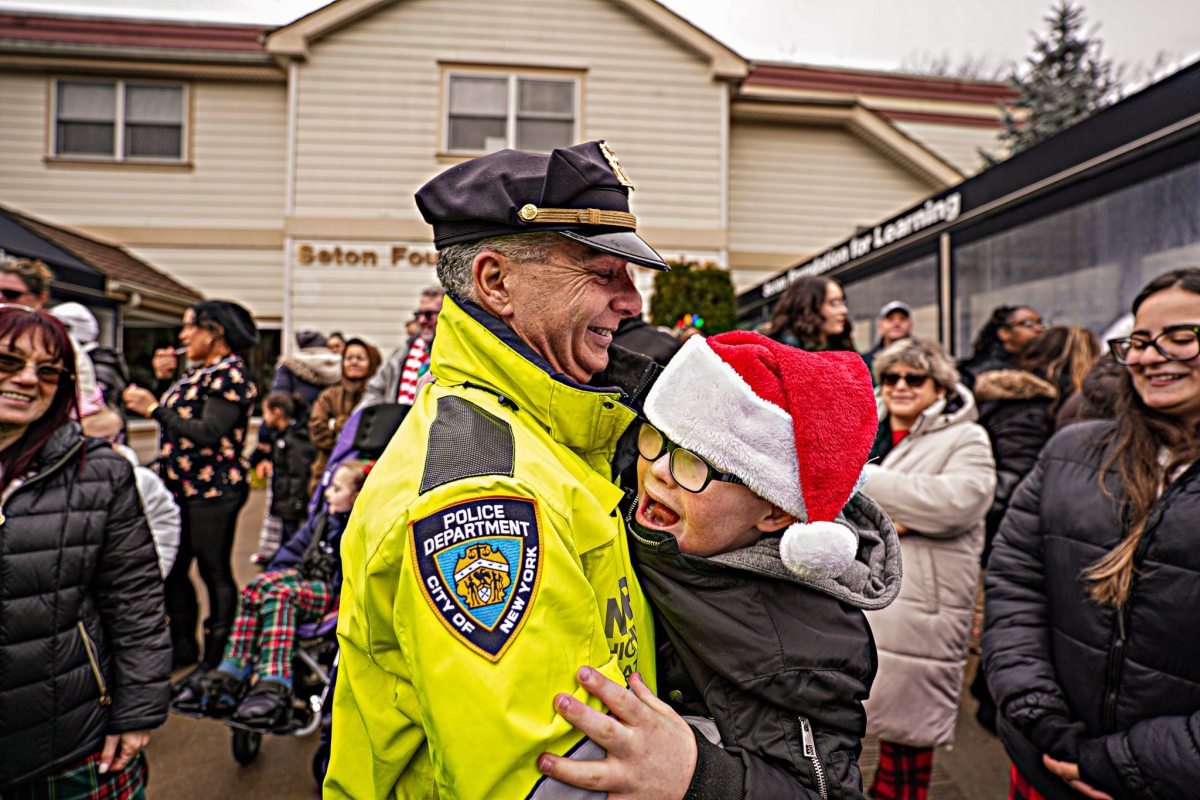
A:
[(1092, 643), (935, 480)]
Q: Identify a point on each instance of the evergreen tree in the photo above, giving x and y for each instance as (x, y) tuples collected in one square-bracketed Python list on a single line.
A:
[(1064, 81)]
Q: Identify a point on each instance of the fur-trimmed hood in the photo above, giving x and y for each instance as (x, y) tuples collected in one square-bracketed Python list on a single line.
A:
[(1013, 384), (317, 365)]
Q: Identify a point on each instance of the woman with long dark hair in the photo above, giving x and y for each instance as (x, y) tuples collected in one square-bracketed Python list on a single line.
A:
[(1092, 642), (84, 654), (812, 315), (203, 417)]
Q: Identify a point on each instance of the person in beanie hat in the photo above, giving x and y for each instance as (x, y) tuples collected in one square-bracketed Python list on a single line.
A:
[(759, 556)]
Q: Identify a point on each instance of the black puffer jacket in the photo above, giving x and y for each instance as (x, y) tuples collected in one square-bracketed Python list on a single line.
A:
[(1119, 694), (292, 455), (1014, 408), (762, 652), (76, 565)]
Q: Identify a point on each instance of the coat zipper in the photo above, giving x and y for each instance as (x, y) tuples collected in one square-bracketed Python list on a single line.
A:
[(1116, 657), (810, 752), (90, 649)]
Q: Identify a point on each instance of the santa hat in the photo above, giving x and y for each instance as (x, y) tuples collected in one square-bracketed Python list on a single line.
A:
[(795, 426)]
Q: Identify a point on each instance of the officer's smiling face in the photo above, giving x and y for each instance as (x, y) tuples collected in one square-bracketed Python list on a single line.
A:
[(567, 307)]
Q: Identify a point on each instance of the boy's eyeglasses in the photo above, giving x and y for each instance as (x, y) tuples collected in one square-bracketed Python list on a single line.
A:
[(914, 380), (1175, 343), (48, 374), (689, 470)]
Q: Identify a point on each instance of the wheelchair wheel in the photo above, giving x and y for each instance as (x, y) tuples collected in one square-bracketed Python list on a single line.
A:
[(320, 763), (246, 745)]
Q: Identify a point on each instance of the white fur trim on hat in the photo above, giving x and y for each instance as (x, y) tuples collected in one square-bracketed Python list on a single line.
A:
[(703, 404), (817, 550)]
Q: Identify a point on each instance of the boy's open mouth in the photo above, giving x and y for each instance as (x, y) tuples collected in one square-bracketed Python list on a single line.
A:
[(654, 514)]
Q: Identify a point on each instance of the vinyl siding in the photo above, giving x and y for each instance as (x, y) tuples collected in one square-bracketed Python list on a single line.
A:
[(799, 189), (370, 98), (958, 144), (253, 277), (238, 157)]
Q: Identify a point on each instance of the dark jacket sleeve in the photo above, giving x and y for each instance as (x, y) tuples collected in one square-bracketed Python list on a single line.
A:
[(719, 775), (1016, 637), (292, 552), (129, 594), (1157, 757), (217, 419), (283, 381)]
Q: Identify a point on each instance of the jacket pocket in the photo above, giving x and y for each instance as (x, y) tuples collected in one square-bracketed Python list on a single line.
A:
[(89, 647), (814, 758)]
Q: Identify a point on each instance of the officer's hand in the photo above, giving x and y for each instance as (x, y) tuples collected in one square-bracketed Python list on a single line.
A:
[(651, 750)]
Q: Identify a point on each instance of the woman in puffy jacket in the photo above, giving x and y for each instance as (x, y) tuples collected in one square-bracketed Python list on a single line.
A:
[(935, 481), (84, 652), (1092, 641), (360, 362)]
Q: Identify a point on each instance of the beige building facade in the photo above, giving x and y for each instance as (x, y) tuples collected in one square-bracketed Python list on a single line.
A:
[(277, 167)]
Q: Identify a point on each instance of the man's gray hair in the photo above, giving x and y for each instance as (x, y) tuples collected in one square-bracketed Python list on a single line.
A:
[(923, 355), (454, 263), (433, 291)]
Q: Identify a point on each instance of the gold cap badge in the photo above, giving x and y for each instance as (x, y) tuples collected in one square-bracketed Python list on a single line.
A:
[(618, 170)]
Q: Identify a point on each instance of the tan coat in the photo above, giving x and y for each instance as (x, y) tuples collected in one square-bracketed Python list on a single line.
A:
[(937, 482)]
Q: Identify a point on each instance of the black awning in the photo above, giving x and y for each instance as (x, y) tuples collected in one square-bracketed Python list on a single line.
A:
[(17, 240)]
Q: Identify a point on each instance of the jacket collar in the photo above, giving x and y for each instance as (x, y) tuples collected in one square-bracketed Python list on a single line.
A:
[(477, 349)]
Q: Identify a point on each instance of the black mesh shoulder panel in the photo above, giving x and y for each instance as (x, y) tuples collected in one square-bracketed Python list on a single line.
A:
[(465, 441)]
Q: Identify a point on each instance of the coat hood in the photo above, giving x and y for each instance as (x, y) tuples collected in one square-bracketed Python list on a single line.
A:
[(318, 366), (871, 582), (1013, 384)]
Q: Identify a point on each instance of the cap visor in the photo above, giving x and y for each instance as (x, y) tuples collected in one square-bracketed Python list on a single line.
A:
[(626, 244)]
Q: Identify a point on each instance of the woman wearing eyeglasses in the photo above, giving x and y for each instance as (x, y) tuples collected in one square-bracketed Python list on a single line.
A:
[(1092, 639), (1000, 341), (812, 315), (203, 419), (935, 481), (84, 653)]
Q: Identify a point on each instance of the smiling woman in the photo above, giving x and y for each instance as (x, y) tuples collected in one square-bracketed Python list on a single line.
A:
[(70, 510), (1097, 678)]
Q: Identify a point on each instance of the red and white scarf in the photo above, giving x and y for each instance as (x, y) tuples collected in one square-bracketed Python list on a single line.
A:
[(418, 357)]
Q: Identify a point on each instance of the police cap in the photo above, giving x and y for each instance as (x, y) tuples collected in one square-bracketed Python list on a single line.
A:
[(581, 192)]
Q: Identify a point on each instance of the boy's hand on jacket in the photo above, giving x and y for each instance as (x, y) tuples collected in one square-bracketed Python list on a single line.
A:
[(651, 750)]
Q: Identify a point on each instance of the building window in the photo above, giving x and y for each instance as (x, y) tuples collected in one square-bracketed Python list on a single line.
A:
[(119, 120), (487, 112)]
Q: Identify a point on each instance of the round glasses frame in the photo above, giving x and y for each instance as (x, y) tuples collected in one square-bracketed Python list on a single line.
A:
[(1182, 344), (653, 444)]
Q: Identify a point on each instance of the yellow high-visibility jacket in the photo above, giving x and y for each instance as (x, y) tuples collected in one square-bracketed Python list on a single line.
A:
[(485, 561)]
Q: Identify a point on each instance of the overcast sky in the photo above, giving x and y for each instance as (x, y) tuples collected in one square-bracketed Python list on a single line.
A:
[(873, 34)]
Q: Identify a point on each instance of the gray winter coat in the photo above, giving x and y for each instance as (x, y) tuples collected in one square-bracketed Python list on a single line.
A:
[(781, 665), (938, 483)]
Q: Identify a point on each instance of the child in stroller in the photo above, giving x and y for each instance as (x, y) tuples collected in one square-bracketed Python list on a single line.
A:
[(252, 686)]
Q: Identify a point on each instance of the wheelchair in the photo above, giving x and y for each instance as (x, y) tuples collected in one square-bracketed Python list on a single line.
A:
[(313, 663)]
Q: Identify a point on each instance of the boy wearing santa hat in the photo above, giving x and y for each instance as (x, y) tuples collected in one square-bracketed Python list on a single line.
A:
[(759, 556)]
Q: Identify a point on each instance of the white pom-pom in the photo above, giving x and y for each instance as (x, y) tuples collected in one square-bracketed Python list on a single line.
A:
[(818, 549)]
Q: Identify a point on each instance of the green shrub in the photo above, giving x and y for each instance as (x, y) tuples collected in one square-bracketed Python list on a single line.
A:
[(688, 289)]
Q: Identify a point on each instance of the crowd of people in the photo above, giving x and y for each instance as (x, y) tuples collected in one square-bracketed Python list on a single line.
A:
[(598, 557)]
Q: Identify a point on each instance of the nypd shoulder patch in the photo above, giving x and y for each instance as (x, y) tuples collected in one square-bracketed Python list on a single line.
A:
[(480, 564)]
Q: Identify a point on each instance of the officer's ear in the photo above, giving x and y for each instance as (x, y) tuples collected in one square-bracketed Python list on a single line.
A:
[(491, 272)]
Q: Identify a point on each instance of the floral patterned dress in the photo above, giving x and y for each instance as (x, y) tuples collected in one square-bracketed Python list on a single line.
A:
[(203, 473)]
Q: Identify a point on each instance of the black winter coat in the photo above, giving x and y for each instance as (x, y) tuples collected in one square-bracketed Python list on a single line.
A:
[(77, 566), (1117, 693), (1014, 409), (763, 653), (292, 455)]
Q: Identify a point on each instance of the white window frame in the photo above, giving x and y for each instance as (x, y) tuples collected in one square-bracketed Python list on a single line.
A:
[(118, 155), (510, 122)]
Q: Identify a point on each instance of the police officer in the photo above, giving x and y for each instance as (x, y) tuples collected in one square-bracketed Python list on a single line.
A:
[(486, 560)]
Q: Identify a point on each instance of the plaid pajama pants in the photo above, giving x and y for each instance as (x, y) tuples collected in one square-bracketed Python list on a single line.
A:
[(83, 781), (904, 772), (271, 608)]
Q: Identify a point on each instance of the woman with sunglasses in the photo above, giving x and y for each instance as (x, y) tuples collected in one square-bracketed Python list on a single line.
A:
[(1092, 639), (203, 419), (935, 480), (812, 315), (758, 592), (84, 654)]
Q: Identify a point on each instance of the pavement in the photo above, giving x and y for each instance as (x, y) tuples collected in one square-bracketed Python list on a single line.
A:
[(192, 759)]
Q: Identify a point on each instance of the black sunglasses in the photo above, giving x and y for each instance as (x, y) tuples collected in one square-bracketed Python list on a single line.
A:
[(48, 374), (914, 380), (12, 294), (690, 471), (426, 314)]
